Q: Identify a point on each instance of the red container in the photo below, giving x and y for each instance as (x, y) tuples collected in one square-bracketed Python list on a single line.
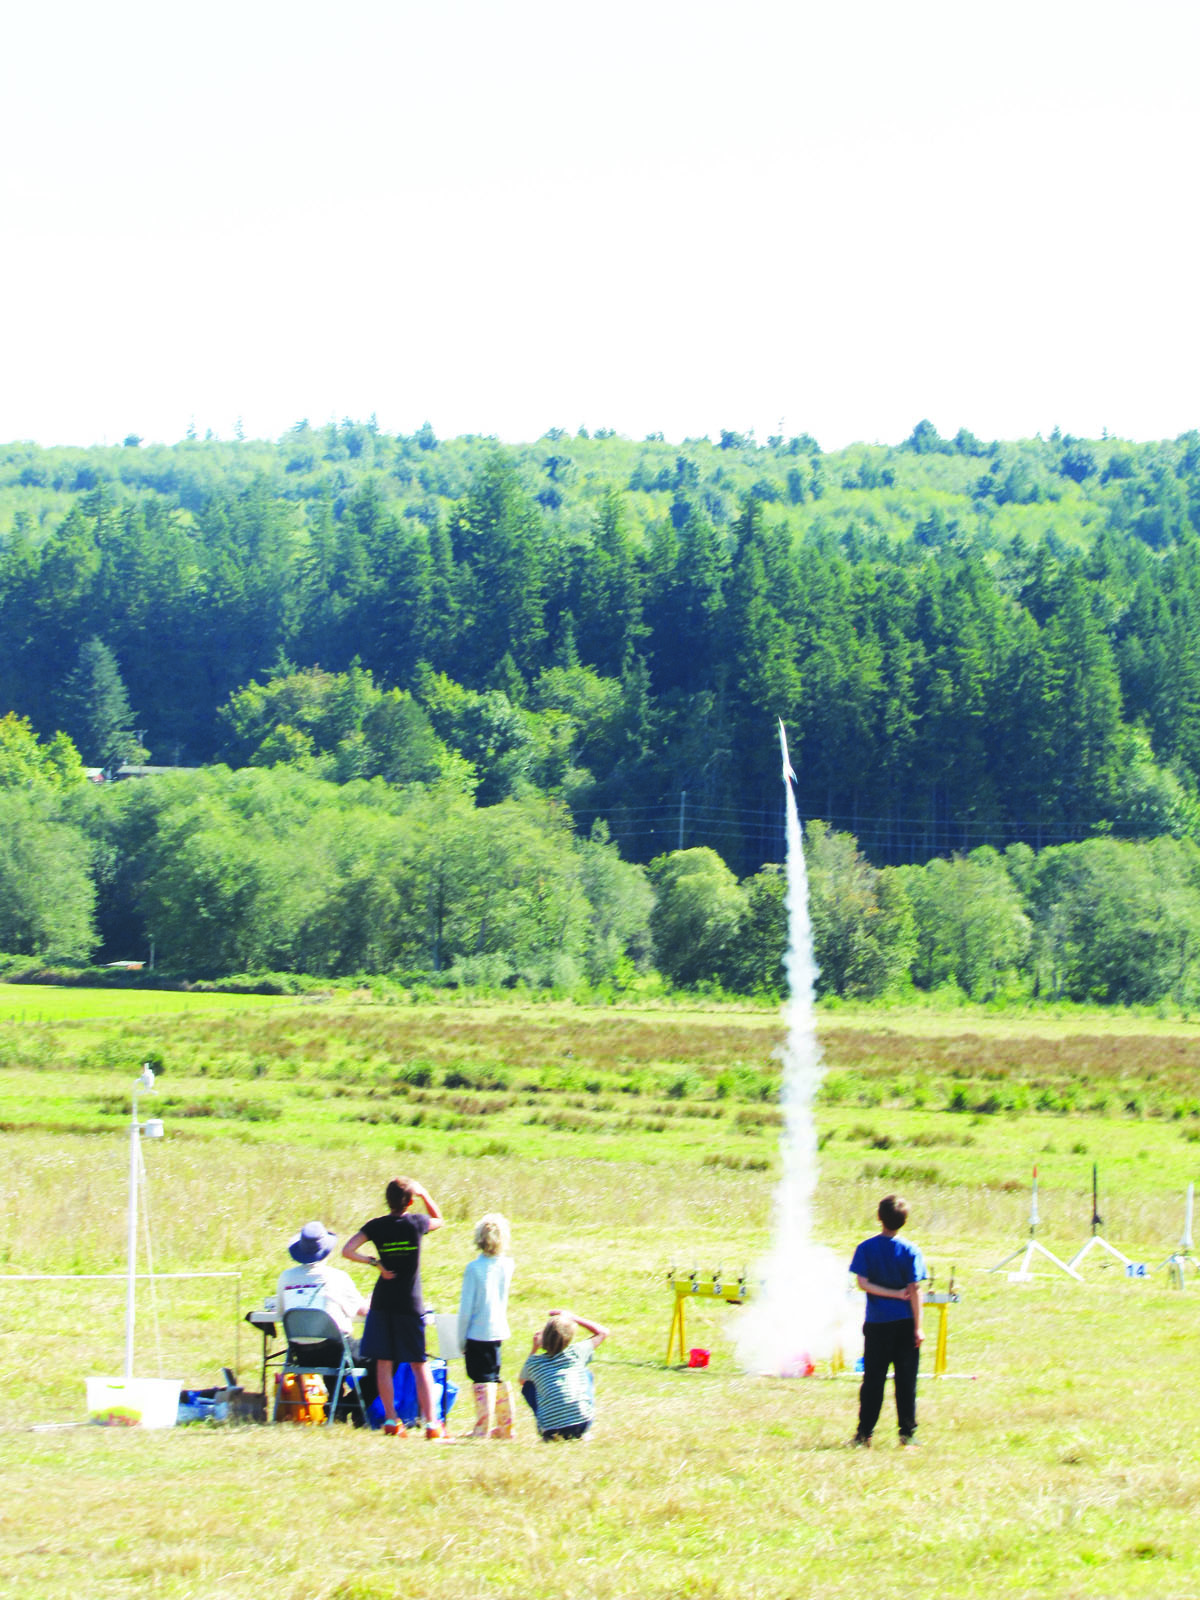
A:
[(799, 1366), (698, 1358)]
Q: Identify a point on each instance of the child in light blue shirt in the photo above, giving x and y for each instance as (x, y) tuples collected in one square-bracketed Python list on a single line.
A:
[(483, 1316)]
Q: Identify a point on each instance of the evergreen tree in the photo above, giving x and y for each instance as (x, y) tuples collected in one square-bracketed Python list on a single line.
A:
[(1088, 698), (608, 607), (99, 714), (496, 534)]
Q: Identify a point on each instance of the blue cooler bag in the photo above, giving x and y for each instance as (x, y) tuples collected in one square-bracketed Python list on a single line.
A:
[(203, 1405), (445, 1394)]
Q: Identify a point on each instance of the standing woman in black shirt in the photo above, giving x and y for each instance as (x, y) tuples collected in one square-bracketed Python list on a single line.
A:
[(395, 1331)]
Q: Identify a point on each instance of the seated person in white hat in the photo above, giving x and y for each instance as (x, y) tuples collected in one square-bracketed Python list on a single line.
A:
[(314, 1282)]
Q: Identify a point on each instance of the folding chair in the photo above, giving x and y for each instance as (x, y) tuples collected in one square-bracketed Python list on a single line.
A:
[(305, 1322)]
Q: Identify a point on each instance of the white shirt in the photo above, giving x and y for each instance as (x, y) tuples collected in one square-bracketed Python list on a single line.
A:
[(323, 1288)]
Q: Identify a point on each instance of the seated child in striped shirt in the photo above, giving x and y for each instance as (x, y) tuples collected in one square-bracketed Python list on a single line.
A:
[(555, 1379)]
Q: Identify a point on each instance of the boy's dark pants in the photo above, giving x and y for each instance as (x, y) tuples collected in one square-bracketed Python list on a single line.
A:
[(889, 1344)]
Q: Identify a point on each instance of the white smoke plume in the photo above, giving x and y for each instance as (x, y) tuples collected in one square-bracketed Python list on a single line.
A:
[(803, 1311)]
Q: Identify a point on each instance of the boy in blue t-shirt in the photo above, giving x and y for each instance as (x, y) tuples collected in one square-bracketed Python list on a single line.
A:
[(891, 1272)]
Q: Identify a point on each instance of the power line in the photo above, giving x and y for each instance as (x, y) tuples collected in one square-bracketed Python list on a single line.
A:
[(749, 829)]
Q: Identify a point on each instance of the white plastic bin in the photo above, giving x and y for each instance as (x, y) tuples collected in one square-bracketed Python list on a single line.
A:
[(133, 1402), (446, 1323)]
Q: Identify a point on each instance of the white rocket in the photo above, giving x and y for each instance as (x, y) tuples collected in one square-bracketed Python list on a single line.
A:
[(788, 774)]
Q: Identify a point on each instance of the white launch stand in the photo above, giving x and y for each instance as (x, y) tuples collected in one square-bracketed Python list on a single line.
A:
[(1184, 1255), (1032, 1247), (1097, 1241)]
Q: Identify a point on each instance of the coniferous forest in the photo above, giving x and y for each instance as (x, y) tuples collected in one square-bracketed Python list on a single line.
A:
[(511, 711)]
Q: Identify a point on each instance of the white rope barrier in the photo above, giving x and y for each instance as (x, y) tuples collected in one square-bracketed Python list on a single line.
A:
[(95, 1277), (143, 1277)]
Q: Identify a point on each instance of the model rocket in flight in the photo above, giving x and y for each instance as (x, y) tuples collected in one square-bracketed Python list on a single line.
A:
[(788, 774)]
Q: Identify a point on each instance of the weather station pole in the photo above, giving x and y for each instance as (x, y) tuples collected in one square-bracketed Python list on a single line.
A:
[(152, 1130)]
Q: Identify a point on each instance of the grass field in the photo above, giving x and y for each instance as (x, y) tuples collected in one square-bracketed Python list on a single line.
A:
[(618, 1142), (33, 1003)]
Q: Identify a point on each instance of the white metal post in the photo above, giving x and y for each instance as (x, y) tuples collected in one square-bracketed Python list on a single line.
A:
[(145, 1081)]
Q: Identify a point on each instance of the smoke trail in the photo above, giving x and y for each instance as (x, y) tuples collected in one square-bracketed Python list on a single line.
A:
[(803, 1312)]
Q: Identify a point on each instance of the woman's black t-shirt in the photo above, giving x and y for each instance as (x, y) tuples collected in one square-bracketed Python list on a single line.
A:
[(398, 1240)]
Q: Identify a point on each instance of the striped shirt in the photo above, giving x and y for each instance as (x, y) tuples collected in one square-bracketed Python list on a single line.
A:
[(564, 1386)]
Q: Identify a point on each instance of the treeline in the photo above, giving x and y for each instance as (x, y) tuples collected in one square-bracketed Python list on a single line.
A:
[(216, 872), (1106, 921), (970, 642), (263, 870)]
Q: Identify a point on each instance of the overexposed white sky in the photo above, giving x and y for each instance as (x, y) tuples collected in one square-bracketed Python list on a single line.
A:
[(507, 215)]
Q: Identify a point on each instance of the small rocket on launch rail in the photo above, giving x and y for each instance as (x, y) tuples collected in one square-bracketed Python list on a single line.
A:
[(788, 774)]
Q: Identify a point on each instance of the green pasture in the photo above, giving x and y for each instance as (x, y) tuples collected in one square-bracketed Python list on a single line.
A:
[(32, 1003), (1061, 1457)]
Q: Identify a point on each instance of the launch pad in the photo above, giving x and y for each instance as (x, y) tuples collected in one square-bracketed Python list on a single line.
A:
[(739, 1290)]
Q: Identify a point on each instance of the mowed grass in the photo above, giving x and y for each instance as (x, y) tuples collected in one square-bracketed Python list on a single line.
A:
[(34, 1003), (618, 1143)]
